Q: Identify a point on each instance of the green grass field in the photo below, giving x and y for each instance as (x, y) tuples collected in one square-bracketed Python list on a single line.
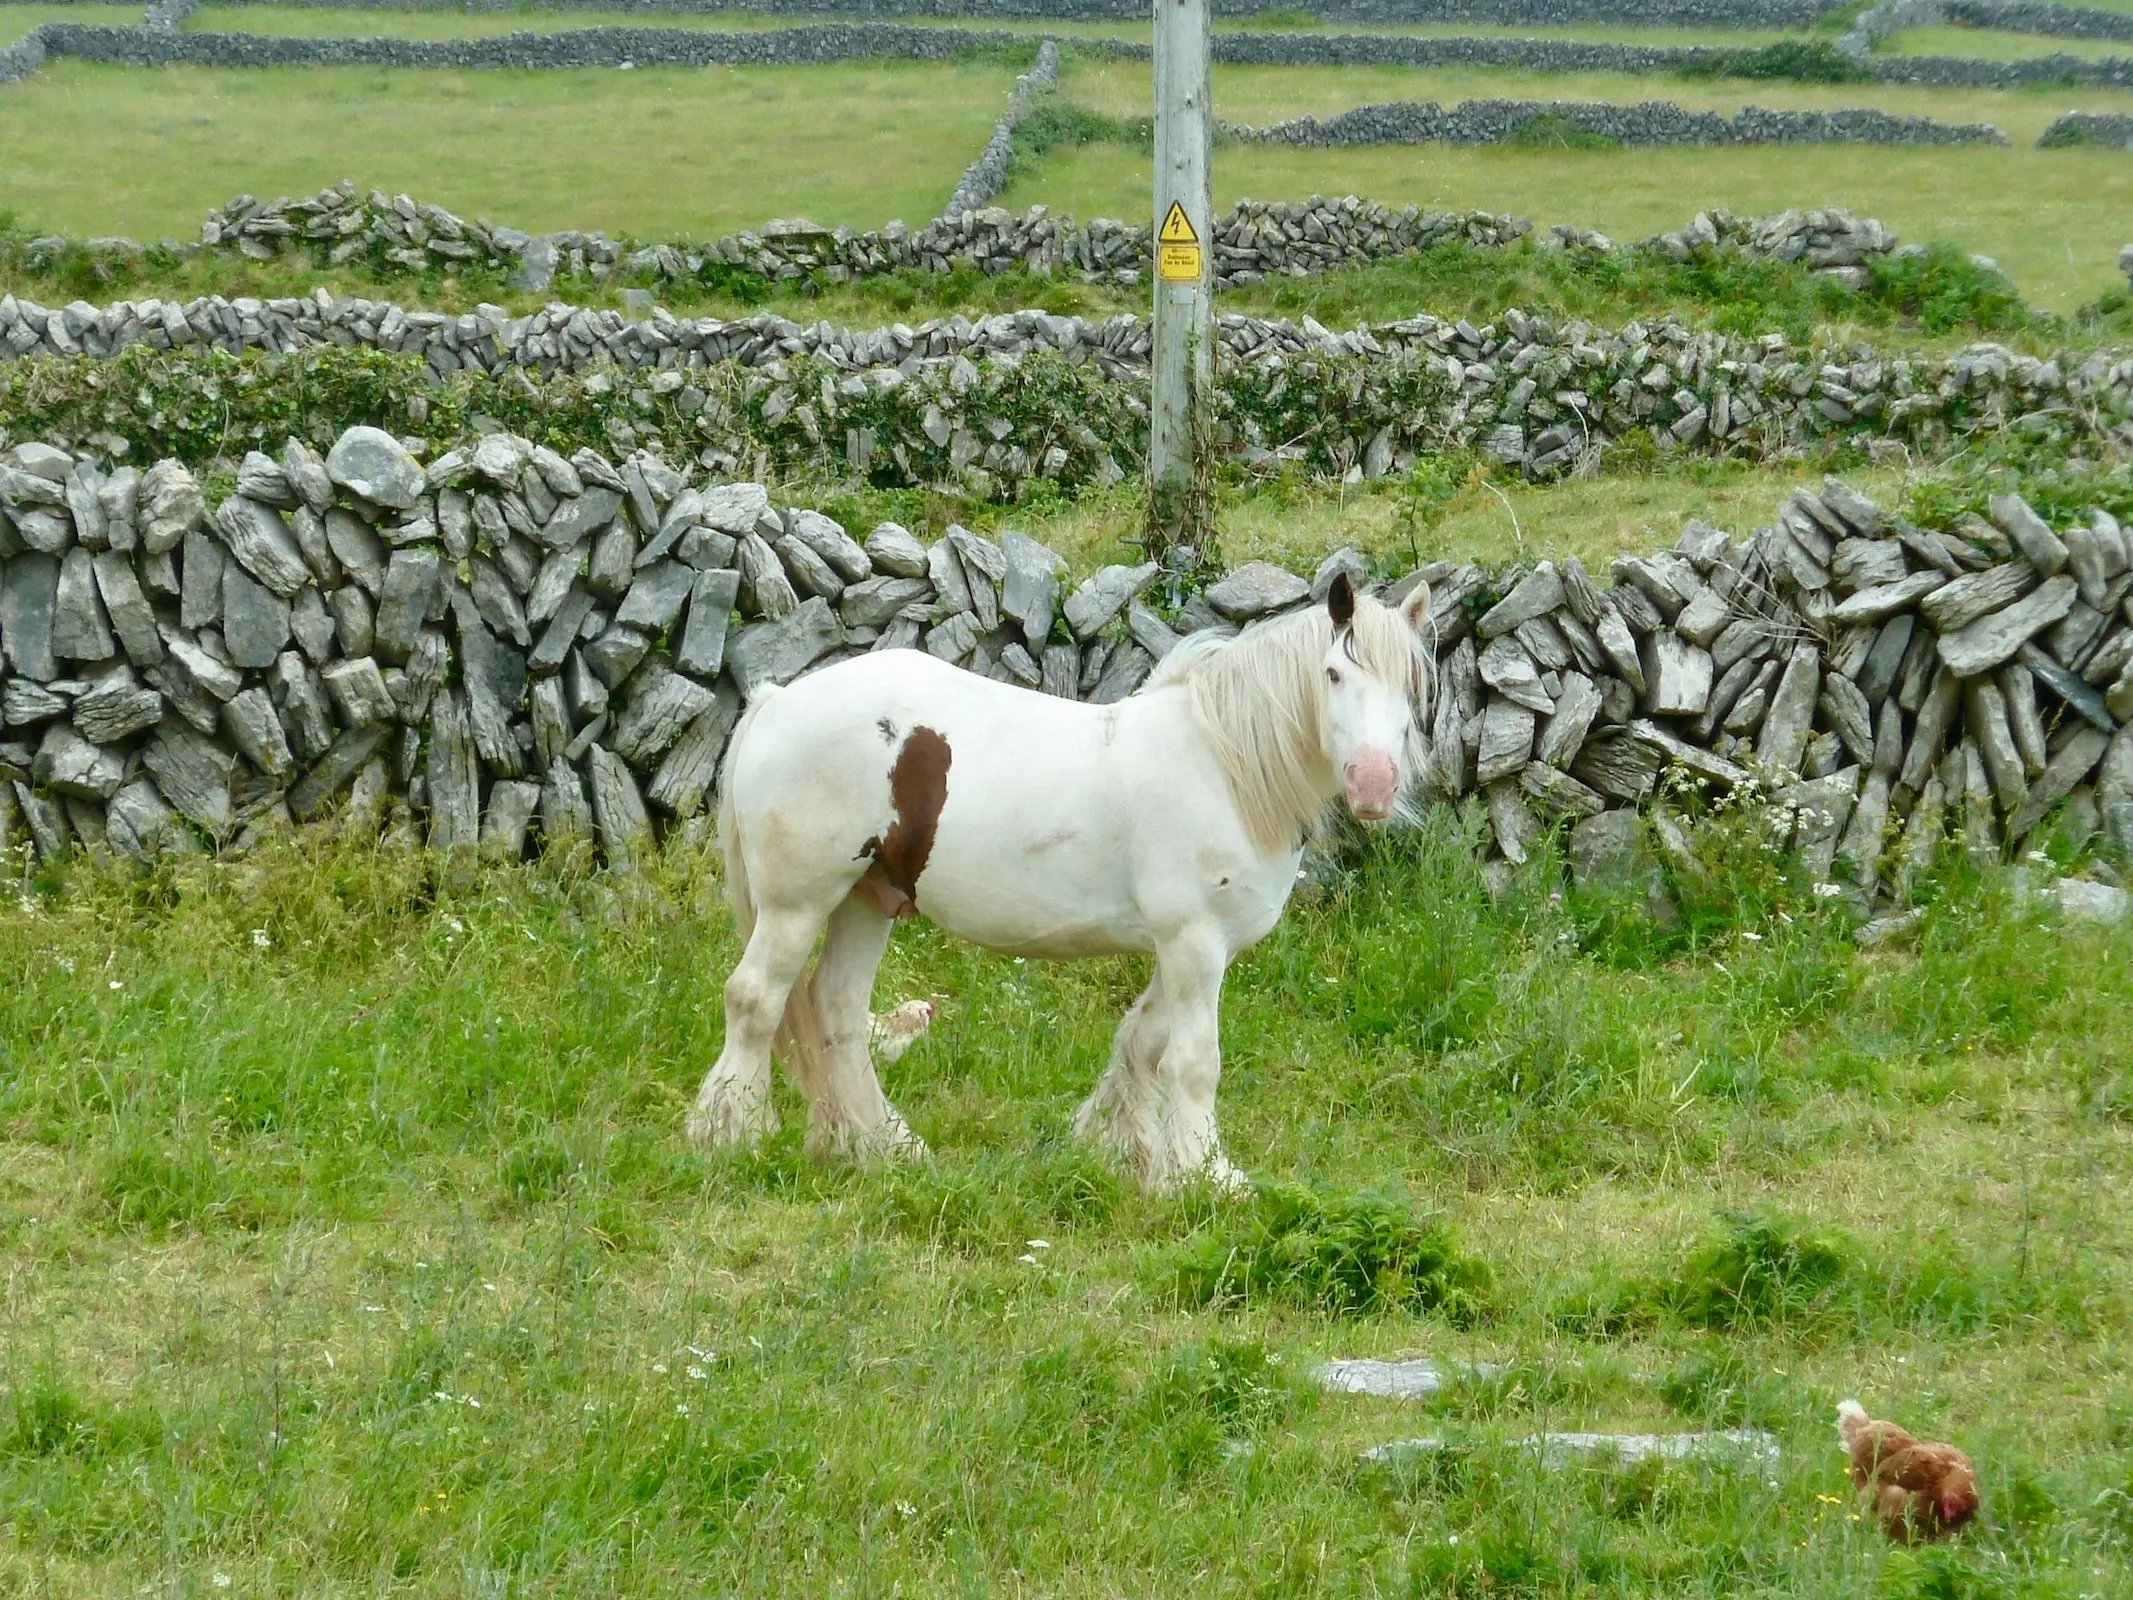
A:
[(658, 153), (17, 20), (353, 1247), (1990, 44)]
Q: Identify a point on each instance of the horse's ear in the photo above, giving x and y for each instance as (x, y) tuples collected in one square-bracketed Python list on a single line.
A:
[(1340, 601), (1416, 606)]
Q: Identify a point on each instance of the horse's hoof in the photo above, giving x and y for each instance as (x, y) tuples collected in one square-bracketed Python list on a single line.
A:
[(722, 1119)]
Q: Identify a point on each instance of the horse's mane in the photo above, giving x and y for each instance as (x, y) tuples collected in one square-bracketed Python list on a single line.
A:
[(1260, 698)]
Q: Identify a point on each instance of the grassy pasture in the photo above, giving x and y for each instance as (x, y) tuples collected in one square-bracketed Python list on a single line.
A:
[(353, 1247), (1992, 44), (660, 153), (17, 20), (355, 22)]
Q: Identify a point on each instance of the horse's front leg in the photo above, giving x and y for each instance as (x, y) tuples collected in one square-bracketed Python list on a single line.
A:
[(1187, 1144)]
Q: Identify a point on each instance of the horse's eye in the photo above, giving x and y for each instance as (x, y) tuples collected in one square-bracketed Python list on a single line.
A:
[(1333, 675)]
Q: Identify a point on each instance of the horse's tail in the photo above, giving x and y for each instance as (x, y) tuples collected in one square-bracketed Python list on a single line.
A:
[(801, 1038)]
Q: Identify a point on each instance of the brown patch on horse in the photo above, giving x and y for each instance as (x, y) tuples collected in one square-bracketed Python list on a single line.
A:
[(918, 788)]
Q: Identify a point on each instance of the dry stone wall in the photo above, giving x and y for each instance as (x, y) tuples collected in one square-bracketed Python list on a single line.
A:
[(987, 175), (1701, 13), (500, 646), (954, 397), (1651, 122)]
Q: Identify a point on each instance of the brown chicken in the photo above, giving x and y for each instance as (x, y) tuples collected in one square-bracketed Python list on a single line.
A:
[(1920, 1490), (893, 1032)]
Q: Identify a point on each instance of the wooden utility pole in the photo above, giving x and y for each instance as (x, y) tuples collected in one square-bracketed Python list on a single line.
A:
[(1182, 368)]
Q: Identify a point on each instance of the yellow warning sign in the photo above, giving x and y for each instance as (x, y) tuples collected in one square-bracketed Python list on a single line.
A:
[(1178, 263), (1176, 228)]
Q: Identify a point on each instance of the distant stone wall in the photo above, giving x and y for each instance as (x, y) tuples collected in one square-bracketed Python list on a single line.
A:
[(997, 404), (987, 175), (2088, 127), (569, 47), (2032, 16), (1540, 13), (1653, 122), (499, 649)]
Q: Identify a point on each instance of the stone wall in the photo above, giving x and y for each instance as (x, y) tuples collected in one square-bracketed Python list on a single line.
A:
[(987, 175), (2088, 127), (1545, 13), (1653, 122), (959, 401), (2030, 16), (500, 646)]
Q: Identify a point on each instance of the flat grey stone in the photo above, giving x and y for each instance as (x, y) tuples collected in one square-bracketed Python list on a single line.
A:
[(894, 550), (493, 674), (562, 630), (946, 572), (1255, 589), (2031, 533), (655, 598), (300, 696), (512, 803), (661, 703), (1509, 670), (29, 595), (685, 777), (702, 648), (704, 548), (209, 671), (1535, 595), (23, 703), (778, 652), (262, 543), (1150, 631), (1782, 743), (1610, 853), (1750, 1446), (1867, 563), (1884, 600), (1125, 670), (838, 549), (617, 807), (1992, 639), (734, 508), (498, 602), (80, 629), (576, 519), (453, 776), (46, 815), (371, 463), (1849, 715), (170, 506), (1517, 830), (193, 773), (2075, 760), (116, 709), (69, 764), (875, 602), (1877, 678), (765, 590), (1416, 1378), (616, 654), (1975, 594), (566, 816), (1029, 590), (313, 627), (404, 600), (138, 822), (1677, 675), (335, 770), (809, 572), (249, 720), (357, 547), (2080, 900), (304, 469), (611, 567), (358, 690), (200, 580), (1557, 793), (259, 477), (1506, 740), (255, 621), (1104, 594), (354, 621), (1821, 809)]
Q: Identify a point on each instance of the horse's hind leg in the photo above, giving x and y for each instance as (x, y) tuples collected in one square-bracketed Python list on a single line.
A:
[(850, 1115), (1123, 1111), (733, 1106)]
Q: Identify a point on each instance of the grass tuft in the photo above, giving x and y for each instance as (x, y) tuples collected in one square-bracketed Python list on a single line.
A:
[(1346, 1255)]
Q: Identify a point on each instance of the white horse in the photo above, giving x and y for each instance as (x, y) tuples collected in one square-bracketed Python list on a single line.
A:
[(1170, 823)]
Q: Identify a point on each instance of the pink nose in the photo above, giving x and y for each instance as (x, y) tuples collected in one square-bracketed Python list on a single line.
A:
[(1373, 783)]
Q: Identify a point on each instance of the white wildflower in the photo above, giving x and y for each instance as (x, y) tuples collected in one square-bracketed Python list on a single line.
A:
[(116, 985), (681, 1411), (698, 1373), (1039, 1244), (1027, 1260), (221, 1580), (260, 941)]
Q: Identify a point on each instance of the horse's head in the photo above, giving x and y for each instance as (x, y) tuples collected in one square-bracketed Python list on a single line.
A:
[(1375, 688)]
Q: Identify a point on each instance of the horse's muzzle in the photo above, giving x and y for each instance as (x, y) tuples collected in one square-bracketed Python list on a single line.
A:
[(1372, 782)]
